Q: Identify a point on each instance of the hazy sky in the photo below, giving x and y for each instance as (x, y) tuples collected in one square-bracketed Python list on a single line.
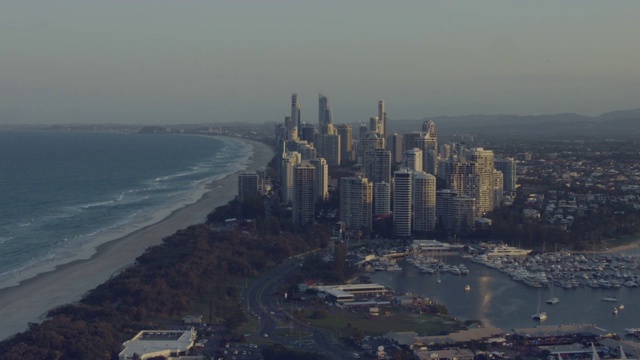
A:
[(161, 61)]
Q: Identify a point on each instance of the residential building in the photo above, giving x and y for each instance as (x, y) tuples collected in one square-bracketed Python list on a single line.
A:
[(424, 201), (304, 193), (402, 197), (356, 200)]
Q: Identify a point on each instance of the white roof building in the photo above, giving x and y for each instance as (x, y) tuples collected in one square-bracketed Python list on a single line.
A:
[(150, 343)]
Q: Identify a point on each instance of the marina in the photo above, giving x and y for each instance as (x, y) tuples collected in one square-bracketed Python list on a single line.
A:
[(495, 298)]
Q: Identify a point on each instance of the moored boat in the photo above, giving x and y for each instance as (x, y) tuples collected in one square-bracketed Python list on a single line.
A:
[(540, 316), (552, 301)]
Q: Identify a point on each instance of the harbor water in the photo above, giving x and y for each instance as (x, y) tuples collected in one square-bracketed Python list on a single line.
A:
[(494, 298)]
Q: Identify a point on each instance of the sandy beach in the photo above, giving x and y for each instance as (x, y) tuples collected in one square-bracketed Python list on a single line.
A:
[(31, 299)]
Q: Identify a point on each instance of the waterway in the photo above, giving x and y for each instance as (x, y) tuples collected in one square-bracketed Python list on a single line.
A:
[(496, 299)]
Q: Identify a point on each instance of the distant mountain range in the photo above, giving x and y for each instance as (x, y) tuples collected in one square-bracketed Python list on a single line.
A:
[(623, 124)]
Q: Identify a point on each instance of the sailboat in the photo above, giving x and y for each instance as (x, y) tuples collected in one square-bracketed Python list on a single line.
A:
[(438, 269), (539, 315)]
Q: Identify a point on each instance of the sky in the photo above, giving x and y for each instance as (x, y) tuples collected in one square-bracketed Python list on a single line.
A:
[(171, 62)]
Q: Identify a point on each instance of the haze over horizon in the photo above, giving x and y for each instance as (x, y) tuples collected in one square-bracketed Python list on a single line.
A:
[(161, 62)]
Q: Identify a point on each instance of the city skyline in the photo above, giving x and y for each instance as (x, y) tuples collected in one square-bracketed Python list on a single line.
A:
[(172, 62)]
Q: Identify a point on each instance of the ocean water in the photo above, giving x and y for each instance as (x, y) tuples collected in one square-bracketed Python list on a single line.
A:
[(59, 191)]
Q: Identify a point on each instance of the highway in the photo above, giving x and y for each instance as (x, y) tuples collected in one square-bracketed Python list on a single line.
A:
[(261, 302)]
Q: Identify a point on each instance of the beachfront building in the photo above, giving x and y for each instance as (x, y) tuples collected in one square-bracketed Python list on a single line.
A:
[(158, 343), (248, 186)]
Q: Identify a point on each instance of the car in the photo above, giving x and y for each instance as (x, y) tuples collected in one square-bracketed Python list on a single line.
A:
[(266, 335), (272, 313), (356, 356)]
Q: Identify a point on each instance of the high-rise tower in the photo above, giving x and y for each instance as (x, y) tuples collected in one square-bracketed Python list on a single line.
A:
[(382, 117), (295, 113), (402, 196), (424, 201), (324, 113), (356, 199), (304, 193)]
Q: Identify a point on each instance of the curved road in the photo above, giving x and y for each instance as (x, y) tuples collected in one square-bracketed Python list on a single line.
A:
[(261, 302)]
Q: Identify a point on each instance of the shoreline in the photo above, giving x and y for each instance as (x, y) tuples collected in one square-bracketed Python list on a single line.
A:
[(30, 299)]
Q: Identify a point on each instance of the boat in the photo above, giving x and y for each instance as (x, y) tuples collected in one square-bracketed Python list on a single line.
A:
[(633, 331), (394, 267), (467, 288), (504, 250), (552, 301), (615, 310), (610, 298), (621, 307), (539, 315)]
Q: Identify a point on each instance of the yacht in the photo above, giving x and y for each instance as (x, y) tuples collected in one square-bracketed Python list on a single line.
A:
[(504, 250), (610, 298), (394, 267), (540, 316), (552, 301), (467, 288), (615, 310), (633, 331)]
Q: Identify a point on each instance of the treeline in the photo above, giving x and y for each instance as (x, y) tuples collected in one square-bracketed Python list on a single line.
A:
[(194, 264)]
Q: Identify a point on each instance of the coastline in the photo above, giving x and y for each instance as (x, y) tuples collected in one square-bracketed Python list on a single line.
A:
[(29, 300)]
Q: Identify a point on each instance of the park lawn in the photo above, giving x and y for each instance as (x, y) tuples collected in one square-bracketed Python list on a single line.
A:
[(397, 320)]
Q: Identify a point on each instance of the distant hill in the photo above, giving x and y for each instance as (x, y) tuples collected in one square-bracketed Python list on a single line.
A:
[(617, 124)]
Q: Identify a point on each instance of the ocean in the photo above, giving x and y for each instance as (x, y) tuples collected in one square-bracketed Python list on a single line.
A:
[(496, 299), (61, 192)]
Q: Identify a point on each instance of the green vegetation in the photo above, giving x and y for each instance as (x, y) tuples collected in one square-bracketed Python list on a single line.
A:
[(196, 263)]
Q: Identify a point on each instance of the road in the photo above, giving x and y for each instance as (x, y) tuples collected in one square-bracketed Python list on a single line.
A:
[(261, 302)]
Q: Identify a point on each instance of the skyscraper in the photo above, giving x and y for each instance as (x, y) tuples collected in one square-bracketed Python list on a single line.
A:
[(381, 198), (444, 208), (307, 133), (382, 117), (424, 201), (464, 210), (321, 179), (498, 190), (328, 146), (402, 196), (508, 168), (484, 179), (377, 165), (356, 198), (289, 160), (304, 193), (428, 143), (412, 159), (324, 113), (295, 113), (394, 144), (346, 142)]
